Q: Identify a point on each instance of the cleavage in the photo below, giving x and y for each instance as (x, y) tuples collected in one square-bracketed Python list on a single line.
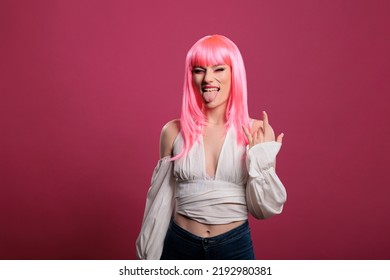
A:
[(213, 141)]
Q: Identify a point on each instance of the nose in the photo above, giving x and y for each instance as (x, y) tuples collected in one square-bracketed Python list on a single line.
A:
[(208, 76)]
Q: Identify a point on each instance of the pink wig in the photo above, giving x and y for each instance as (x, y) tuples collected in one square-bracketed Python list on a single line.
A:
[(210, 51)]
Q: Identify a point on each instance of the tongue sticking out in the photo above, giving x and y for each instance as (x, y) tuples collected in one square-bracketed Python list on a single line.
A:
[(209, 96)]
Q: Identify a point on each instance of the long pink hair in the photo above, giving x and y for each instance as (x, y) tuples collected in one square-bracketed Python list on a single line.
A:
[(210, 51)]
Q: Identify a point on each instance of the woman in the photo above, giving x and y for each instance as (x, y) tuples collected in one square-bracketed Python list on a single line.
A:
[(216, 165)]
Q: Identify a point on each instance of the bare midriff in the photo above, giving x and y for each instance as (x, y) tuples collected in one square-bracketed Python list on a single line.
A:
[(204, 230)]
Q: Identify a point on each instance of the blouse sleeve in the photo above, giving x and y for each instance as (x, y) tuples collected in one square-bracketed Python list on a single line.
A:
[(265, 193), (160, 203)]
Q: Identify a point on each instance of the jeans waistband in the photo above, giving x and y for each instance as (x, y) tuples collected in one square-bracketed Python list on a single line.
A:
[(233, 233)]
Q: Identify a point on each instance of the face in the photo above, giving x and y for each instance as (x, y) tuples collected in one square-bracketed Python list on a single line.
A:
[(212, 83)]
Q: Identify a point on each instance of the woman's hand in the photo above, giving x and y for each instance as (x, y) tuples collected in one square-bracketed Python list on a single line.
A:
[(264, 133)]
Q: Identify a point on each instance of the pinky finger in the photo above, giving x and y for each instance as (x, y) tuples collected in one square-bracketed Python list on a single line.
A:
[(280, 138)]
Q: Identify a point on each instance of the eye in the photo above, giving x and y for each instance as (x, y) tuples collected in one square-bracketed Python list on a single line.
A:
[(198, 70), (220, 69)]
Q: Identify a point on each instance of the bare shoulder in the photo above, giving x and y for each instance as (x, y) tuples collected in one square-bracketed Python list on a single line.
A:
[(171, 128), (168, 135)]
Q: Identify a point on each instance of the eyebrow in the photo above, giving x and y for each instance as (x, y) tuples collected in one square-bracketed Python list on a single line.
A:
[(214, 66)]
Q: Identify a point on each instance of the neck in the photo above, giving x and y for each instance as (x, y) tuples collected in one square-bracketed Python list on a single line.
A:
[(215, 116)]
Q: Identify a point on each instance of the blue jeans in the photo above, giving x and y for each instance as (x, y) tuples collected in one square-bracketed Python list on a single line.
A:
[(235, 244)]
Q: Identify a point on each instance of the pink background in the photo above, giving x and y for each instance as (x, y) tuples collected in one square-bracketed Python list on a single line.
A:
[(87, 85)]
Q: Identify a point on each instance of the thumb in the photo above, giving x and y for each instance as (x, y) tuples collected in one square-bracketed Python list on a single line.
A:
[(280, 138)]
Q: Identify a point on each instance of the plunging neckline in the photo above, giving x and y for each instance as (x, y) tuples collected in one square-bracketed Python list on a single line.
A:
[(214, 177)]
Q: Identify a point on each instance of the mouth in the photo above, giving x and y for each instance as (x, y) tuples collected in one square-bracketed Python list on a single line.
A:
[(209, 89), (209, 93)]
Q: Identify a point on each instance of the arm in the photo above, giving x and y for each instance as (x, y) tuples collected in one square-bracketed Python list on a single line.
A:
[(158, 212), (160, 202), (265, 192)]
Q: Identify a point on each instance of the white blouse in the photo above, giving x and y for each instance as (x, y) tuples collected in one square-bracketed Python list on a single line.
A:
[(211, 200), (245, 180)]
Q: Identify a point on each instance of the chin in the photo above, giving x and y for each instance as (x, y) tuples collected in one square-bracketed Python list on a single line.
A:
[(213, 105)]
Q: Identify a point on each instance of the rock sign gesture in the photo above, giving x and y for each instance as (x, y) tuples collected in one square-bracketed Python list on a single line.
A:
[(264, 133)]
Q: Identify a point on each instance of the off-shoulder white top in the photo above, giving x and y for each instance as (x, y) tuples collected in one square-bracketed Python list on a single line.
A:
[(245, 180), (216, 200)]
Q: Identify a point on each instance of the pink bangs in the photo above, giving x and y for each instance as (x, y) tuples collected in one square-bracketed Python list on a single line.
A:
[(210, 51)]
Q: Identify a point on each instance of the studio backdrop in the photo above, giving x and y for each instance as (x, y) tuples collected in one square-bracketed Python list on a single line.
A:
[(86, 87)]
